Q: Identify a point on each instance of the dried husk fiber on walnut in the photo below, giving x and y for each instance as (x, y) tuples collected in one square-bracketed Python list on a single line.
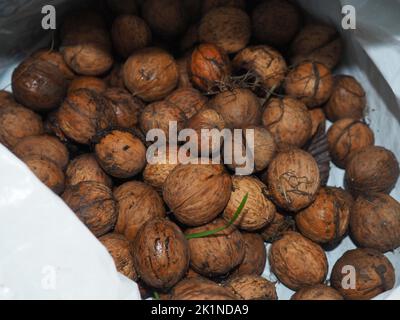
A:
[(161, 254), (293, 179), (197, 193), (375, 222), (258, 212), (137, 203), (317, 292), (297, 261), (218, 254), (94, 205), (119, 248), (374, 274), (252, 287), (371, 169)]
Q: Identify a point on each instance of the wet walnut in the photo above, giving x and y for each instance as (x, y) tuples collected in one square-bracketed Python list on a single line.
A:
[(16, 123), (86, 168), (94, 205), (317, 292), (227, 27), (276, 22), (252, 287), (161, 254), (209, 68), (45, 147), (200, 288), (346, 136), (87, 82), (130, 33), (188, 100), (239, 108), (119, 248), (348, 99), (374, 274), (121, 154), (160, 115), (216, 255), (262, 65), (310, 82), (137, 203), (38, 85), (258, 212), (127, 108), (255, 256), (197, 193), (293, 180), (375, 222), (371, 169), (326, 220), (297, 261), (57, 59), (318, 43), (83, 114), (46, 171), (151, 74), (288, 120), (279, 225)]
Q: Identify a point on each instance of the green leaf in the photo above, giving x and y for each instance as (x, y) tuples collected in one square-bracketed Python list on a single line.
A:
[(215, 231)]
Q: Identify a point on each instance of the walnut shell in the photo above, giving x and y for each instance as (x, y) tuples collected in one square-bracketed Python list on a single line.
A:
[(155, 173), (7, 99), (151, 74), (119, 7), (318, 43), (209, 68), (115, 77), (87, 82), (16, 123), (375, 222), (374, 274), (45, 147), (258, 212), (94, 205), (239, 108), (310, 82), (184, 79), (159, 115), (293, 180), (261, 149), (130, 33), (38, 85), (252, 287), (188, 100), (121, 154), (371, 169), (190, 38), (318, 121), (47, 172), (137, 203), (276, 22), (57, 59), (52, 127), (86, 168), (346, 136), (161, 253), (218, 254), (119, 248), (83, 114), (279, 225), (127, 108), (166, 18), (255, 255), (227, 27), (288, 120), (264, 64), (197, 193), (200, 289), (326, 220), (208, 5), (317, 292), (348, 99), (297, 261)]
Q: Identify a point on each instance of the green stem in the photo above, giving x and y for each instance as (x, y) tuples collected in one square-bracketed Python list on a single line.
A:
[(231, 222), (156, 296)]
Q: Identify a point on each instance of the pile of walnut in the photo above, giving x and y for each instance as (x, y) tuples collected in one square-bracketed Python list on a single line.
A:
[(78, 116)]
